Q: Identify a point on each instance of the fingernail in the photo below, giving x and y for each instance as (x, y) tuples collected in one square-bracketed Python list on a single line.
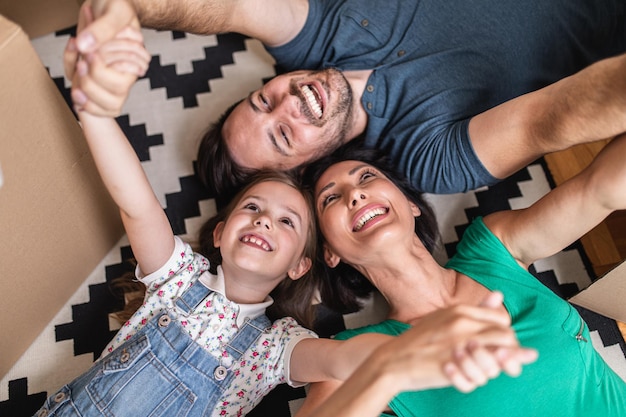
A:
[(71, 45), (81, 68), (79, 97), (84, 41)]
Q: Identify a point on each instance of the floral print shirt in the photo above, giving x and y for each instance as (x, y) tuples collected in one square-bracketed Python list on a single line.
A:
[(214, 323)]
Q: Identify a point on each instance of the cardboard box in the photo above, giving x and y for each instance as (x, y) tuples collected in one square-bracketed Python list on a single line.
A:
[(607, 295), (38, 17), (57, 221)]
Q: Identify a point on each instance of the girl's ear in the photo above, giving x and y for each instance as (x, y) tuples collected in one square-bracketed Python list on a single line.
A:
[(303, 266), (415, 209), (217, 234), (330, 257)]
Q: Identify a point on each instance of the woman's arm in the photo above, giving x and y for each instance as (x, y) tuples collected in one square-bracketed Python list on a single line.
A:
[(444, 349), (463, 346), (568, 211)]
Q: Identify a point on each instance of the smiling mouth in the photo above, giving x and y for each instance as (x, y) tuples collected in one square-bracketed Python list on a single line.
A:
[(254, 240), (368, 216), (313, 99)]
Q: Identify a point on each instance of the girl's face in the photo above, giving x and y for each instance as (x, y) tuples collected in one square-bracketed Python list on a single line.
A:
[(266, 233), (361, 213)]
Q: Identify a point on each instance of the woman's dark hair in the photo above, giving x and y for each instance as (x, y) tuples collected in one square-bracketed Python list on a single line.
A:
[(216, 168), (293, 298), (343, 287)]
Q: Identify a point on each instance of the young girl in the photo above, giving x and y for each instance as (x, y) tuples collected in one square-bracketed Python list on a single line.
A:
[(201, 343)]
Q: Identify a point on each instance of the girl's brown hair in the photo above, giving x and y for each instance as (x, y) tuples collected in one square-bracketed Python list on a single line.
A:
[(291, 298)]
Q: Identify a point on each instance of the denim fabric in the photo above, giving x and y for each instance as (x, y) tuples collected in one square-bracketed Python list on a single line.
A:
[(160, 371)]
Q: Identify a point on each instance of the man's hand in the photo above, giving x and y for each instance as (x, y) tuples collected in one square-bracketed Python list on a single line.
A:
[(100, 84)]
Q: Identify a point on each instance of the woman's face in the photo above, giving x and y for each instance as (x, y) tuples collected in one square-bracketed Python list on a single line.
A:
[(361, 213)]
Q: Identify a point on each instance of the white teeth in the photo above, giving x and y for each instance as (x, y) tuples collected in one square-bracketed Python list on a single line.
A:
[(368, 216), (312, 100), (256, 241)]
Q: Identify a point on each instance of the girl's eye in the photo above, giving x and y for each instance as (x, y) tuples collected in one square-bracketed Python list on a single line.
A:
[(252, 206), (287, 221)]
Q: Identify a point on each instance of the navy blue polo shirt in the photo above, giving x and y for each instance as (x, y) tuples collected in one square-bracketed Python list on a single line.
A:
[(438, 63)]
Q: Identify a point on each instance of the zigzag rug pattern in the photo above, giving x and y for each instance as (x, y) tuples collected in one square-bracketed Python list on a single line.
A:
[(191, 81)]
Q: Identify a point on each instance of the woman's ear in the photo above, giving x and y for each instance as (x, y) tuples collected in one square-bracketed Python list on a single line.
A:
[(300, 269), (330, 257), (415, 209), (217, 234)]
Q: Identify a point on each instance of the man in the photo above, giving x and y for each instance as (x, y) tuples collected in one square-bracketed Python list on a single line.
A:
[(461, 94)]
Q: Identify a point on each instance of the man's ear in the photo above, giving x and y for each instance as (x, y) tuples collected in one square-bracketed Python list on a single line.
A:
[(303, 266), (217, 234), (415, 209), (330, 257)]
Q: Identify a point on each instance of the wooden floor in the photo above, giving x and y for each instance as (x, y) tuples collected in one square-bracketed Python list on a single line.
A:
[(606, 244)]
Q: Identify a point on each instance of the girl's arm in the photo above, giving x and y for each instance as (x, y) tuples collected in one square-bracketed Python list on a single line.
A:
[(148, 229), (568, 211)]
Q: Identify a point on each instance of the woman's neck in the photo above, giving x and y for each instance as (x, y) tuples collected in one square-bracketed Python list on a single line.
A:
[(413, 283)]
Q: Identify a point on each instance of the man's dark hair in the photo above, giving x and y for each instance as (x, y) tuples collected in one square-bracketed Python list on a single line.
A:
[(216, 168), (343, 287)]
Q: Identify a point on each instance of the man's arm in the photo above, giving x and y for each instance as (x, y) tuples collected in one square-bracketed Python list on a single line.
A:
[(273, 22), (587, 106)]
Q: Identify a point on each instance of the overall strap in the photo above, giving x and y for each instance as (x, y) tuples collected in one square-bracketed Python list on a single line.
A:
[(192, 297), (247, 335)]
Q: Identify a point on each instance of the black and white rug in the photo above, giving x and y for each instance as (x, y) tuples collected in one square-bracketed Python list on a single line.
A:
[(191, 81)]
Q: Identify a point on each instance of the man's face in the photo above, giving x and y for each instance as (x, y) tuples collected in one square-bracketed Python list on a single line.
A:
[(293, 119)]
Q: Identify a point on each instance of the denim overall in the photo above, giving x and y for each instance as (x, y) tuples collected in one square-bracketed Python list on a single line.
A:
[(160, 371)]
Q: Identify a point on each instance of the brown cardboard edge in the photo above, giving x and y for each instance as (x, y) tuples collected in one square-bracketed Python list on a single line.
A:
[(87, 237), (606, 295), (41, 17)]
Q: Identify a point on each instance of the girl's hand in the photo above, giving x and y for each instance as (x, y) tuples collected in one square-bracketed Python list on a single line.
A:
[(103, 79)]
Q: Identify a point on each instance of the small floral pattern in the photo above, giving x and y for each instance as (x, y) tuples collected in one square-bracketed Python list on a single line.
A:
[(212, 325)]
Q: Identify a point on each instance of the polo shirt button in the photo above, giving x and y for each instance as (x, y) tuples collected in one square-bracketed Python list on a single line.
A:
[(164, 320), (401, 52), (59, 397), (369, 106), (370, 88), (365, 22)]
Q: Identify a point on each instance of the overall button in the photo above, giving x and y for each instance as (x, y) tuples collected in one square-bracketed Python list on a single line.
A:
[(401, 52), (369, 106), (220, 373), (59, 397), (164, 320), (365, 23), (370, 88)]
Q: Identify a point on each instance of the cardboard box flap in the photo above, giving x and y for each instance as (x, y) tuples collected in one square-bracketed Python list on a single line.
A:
[(37, 17), (606, 295), (57, 220)]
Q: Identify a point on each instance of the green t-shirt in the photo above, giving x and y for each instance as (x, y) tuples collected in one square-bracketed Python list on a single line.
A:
[(568, 379)]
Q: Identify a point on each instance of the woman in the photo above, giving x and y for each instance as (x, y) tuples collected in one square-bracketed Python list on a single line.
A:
[(368, 217)]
